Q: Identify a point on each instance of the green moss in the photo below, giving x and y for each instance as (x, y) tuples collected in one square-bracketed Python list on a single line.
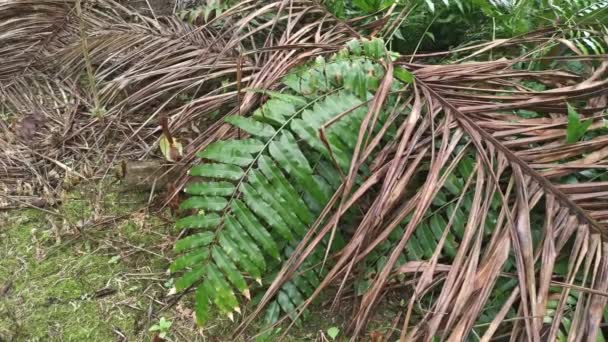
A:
[(60, 267), (73, 279)]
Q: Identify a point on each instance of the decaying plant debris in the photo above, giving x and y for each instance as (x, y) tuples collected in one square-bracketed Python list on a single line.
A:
[(144, 69), (529, 201)]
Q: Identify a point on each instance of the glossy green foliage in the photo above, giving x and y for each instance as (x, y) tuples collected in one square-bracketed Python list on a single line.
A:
[(256, 197), (576, 127)]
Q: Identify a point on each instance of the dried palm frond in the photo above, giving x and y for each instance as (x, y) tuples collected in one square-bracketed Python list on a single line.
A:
[(460, 145), (126, 70), (29, 30)]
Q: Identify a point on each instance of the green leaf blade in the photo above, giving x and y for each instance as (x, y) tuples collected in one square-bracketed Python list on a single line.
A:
[(189, 260), (251, 126), (198, 221), (210, 189), (576, 128), (220, 171), (196, 240), (211, 203)]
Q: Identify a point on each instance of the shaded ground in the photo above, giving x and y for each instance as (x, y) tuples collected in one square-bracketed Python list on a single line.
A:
[(98, 272)]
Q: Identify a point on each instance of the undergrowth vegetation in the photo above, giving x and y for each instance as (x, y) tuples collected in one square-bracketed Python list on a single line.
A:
[(442, 161), (280, 181)]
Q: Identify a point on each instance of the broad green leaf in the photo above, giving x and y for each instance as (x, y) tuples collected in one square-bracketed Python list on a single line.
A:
[(466, 166), (367, 6), (244, 243), (328, 172), (303, 286), (223, 288), (298, 101), (438, 225), (296, 82), (285, 302), (189, 260), (263, 210), (576, 128), (211, 203), (220, 288), (198, 221), (210, 189), (255, 228), (354, 46), (319, 114), (231, 249), (336, 7), (275, 111), (201, 307), (403, 75), (427, 241), (374, 48), (440, 199), (289, 98), (196, 240), (272, 313), (226, 146), (231, 272), (222, 171), (251, 126), (452, 184), (189, 278), (290, 159), (311, 275), (308, 134), (414, 250), (280, 205), (287, 143), (333, 333), (293, 293), (235, 157), (356, 81), (237, 152), (459, 220), (163, 325), (212, 293), (282, 185)]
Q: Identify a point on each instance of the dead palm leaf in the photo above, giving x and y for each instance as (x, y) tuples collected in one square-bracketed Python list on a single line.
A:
[(458, 112)]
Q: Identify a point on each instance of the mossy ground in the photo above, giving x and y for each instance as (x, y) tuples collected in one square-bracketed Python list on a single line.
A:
[(98, 272), (95, 273)]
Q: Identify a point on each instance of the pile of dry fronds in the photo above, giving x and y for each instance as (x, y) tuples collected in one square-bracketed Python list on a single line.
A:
[(83, 85), (537, 190)]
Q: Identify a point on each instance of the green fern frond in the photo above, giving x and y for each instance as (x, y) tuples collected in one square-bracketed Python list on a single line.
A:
[(262, 193)]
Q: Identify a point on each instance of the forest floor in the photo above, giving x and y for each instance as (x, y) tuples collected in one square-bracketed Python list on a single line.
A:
[(97, 271)]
